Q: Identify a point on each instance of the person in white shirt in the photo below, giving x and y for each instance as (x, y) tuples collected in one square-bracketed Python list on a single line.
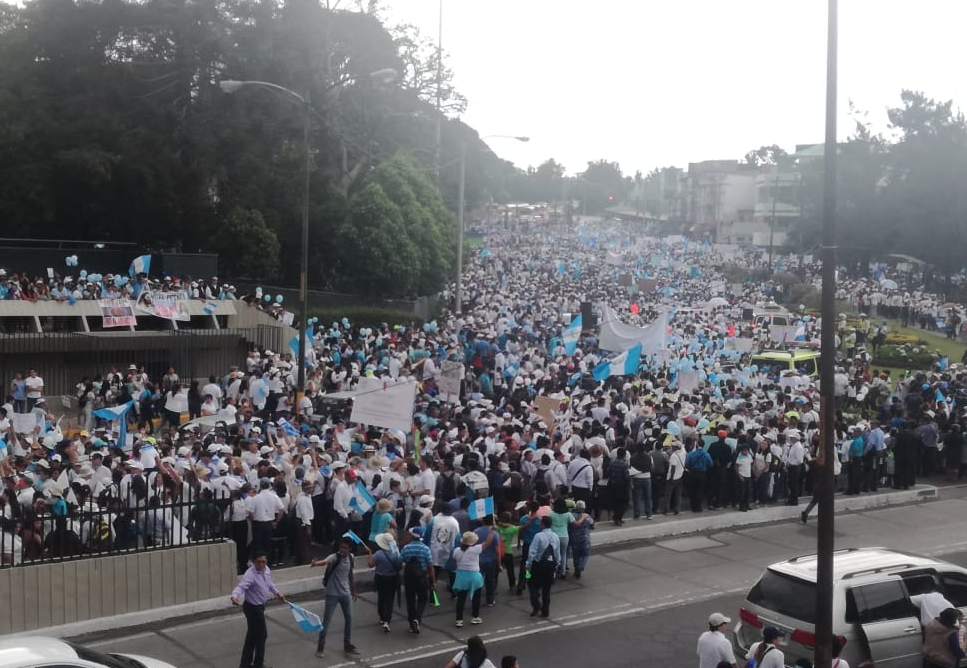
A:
[(928, 600), (794, 458), (35, 388), (213, 389), (304, 514), (674, 479), (265, 510), (766, 652), (713, 646)]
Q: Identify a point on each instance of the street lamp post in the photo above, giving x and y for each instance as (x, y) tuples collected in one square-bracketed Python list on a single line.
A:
[(461, 190), (387, 75)]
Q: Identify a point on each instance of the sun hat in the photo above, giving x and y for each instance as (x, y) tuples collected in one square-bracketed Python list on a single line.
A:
[(385, 540), (469, 538)]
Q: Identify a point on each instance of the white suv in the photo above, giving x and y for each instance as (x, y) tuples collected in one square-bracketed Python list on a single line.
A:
[(872, 611)]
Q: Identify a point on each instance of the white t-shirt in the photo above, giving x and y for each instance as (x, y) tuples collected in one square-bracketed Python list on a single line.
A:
[(773, 658), (461, 662), (714, 647), (35, 386), (468, 559)]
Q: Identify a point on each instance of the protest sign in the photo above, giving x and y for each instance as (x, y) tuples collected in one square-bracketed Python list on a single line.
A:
[(116, 313)]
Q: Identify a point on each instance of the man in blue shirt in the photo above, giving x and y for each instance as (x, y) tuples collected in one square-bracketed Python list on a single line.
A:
[(418, 577), (530, 526), (541, 565), (489, 559), (697, 463)]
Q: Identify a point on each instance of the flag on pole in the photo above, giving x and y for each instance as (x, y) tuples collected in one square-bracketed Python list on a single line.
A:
[(119, 414), (140, 265), (210, 307), (481, 508), (624, 364), (417, 446), (362, 500), (308, 621), (571, 334), (944, 363), (352, 535)]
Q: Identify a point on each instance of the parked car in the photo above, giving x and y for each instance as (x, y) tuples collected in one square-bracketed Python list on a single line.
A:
[(872, 611), (37, 651)]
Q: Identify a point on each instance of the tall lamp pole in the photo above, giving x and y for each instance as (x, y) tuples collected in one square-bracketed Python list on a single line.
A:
[(825, 541), (461, 204), (231, 86)]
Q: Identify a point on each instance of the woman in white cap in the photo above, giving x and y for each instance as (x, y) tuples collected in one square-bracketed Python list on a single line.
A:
[(387, 563), (469, 581)]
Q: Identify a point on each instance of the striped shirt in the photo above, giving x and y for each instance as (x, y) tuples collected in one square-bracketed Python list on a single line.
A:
[(419, 551)]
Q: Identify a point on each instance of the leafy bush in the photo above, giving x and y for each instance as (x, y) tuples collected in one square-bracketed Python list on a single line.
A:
[(366, 316), (904, 356), (898, 339)]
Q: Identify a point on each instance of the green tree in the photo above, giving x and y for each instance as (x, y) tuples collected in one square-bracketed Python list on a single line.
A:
[(602, 185), (766, 155), (248, 247)]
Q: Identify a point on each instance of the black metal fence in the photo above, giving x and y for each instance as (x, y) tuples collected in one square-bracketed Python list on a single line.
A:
[(127, 517), (62, 360)]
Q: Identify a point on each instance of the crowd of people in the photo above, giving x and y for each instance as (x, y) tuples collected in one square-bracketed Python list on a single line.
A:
[(290, 480)]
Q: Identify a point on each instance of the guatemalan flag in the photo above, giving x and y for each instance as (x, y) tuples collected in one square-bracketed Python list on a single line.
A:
[(140, 265), (362, 500), (288, 427), (625, 364), (481, 508), (118, 413), (571, 334), (308, 621)]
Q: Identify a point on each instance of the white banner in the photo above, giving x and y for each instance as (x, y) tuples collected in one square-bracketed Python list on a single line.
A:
[(166, 305), (741, 344), (780, 333), (449, 379), (24, 423), (383, 403)]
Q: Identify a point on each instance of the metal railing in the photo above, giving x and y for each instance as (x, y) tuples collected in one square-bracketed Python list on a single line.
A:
[(129, 518)]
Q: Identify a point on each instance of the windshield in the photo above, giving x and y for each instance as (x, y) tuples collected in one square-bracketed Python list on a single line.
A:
[(109, 660), (785, 595)]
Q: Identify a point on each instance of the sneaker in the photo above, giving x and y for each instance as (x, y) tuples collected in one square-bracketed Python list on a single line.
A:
[(491, 604), (803, 516), (350, 649), (415, 627), (476, 620), (648, 517), (459, 623), (320, 654), (385, 627)]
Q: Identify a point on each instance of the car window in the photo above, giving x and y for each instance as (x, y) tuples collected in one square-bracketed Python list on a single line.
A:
[(878, 601), (809, 364), (785, 595), (955, 588)]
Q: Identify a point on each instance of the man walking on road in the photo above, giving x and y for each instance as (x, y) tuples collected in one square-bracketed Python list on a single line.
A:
[(713, 646), (255, 587), (542, 563), (340, 585), (418, 577)]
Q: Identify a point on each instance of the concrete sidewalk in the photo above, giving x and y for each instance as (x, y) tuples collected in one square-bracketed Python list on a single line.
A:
[(303, 579)]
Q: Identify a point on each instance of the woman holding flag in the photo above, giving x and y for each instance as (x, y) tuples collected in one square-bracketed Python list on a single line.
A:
[(469, 581)]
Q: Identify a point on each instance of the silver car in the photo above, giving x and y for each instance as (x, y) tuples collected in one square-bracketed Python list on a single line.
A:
[(38, 652), (873, 614)]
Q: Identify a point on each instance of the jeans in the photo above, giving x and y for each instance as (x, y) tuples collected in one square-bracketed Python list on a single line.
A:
[(488, 569), (253, 651), (386, 586), (345, 602), (417, 592), (565, 541), (523, 566), (462, 601), (641, 496)]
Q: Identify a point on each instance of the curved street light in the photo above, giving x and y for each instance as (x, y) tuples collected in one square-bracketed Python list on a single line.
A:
[(386, 76)]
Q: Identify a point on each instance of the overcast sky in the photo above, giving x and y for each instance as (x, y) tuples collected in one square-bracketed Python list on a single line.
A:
[(651, 83)]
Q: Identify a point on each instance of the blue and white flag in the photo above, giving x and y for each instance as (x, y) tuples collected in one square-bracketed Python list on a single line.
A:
[(944, 363), (362, 500), (140, 265), (288, 427), (118, 413), (481, 508), (308, 621), (571, 334), (210, 307), (624, 364)]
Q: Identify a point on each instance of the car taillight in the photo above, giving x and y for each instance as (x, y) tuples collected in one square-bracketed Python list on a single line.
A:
[(809, 639), (750, 618)]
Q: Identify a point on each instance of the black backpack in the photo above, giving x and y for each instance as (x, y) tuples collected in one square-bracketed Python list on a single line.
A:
[(413, 569), (540, 484), (332, 566)]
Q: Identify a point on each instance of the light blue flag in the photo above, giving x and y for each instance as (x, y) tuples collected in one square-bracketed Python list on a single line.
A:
[(288, 427), (308, 621), (210, 307), (118, 413), (939, 396), (625, 364), (140, 265), (362, 500), (944, 363), (571, 334), (481, 508)]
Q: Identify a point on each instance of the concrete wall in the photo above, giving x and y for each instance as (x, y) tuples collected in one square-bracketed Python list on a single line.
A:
[(72, 591)]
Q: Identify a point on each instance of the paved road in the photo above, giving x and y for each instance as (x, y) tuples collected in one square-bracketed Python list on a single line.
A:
[(640, 605)]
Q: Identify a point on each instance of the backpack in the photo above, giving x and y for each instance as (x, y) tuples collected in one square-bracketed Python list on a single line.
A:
[(447, 487), (100, 536), (540, 484), (412, 569), (332, 566)]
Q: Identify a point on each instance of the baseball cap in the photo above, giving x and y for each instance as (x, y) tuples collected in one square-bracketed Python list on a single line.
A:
[(771, 633), (717, 619)]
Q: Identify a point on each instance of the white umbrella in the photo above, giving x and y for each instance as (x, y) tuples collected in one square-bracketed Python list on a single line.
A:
[(887, 284), (716, 302)]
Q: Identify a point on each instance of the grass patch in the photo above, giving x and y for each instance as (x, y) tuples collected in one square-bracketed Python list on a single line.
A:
[(474, 242), (952, 349)]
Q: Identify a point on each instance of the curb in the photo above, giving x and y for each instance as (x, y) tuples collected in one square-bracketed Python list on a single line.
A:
[(639, 531)]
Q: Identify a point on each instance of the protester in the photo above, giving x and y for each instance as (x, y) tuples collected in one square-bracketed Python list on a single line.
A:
[(386, 562), (474, 656), (252, 591), (468, 581), (543, 561), (419, 577), (339, 583), (713, 645)]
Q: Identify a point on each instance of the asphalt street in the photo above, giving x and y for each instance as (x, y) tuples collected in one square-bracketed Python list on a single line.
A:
[(638, 605)]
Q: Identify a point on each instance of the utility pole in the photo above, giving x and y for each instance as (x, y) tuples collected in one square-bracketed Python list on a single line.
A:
[(439, 93), (772, 221), (825, 540)]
